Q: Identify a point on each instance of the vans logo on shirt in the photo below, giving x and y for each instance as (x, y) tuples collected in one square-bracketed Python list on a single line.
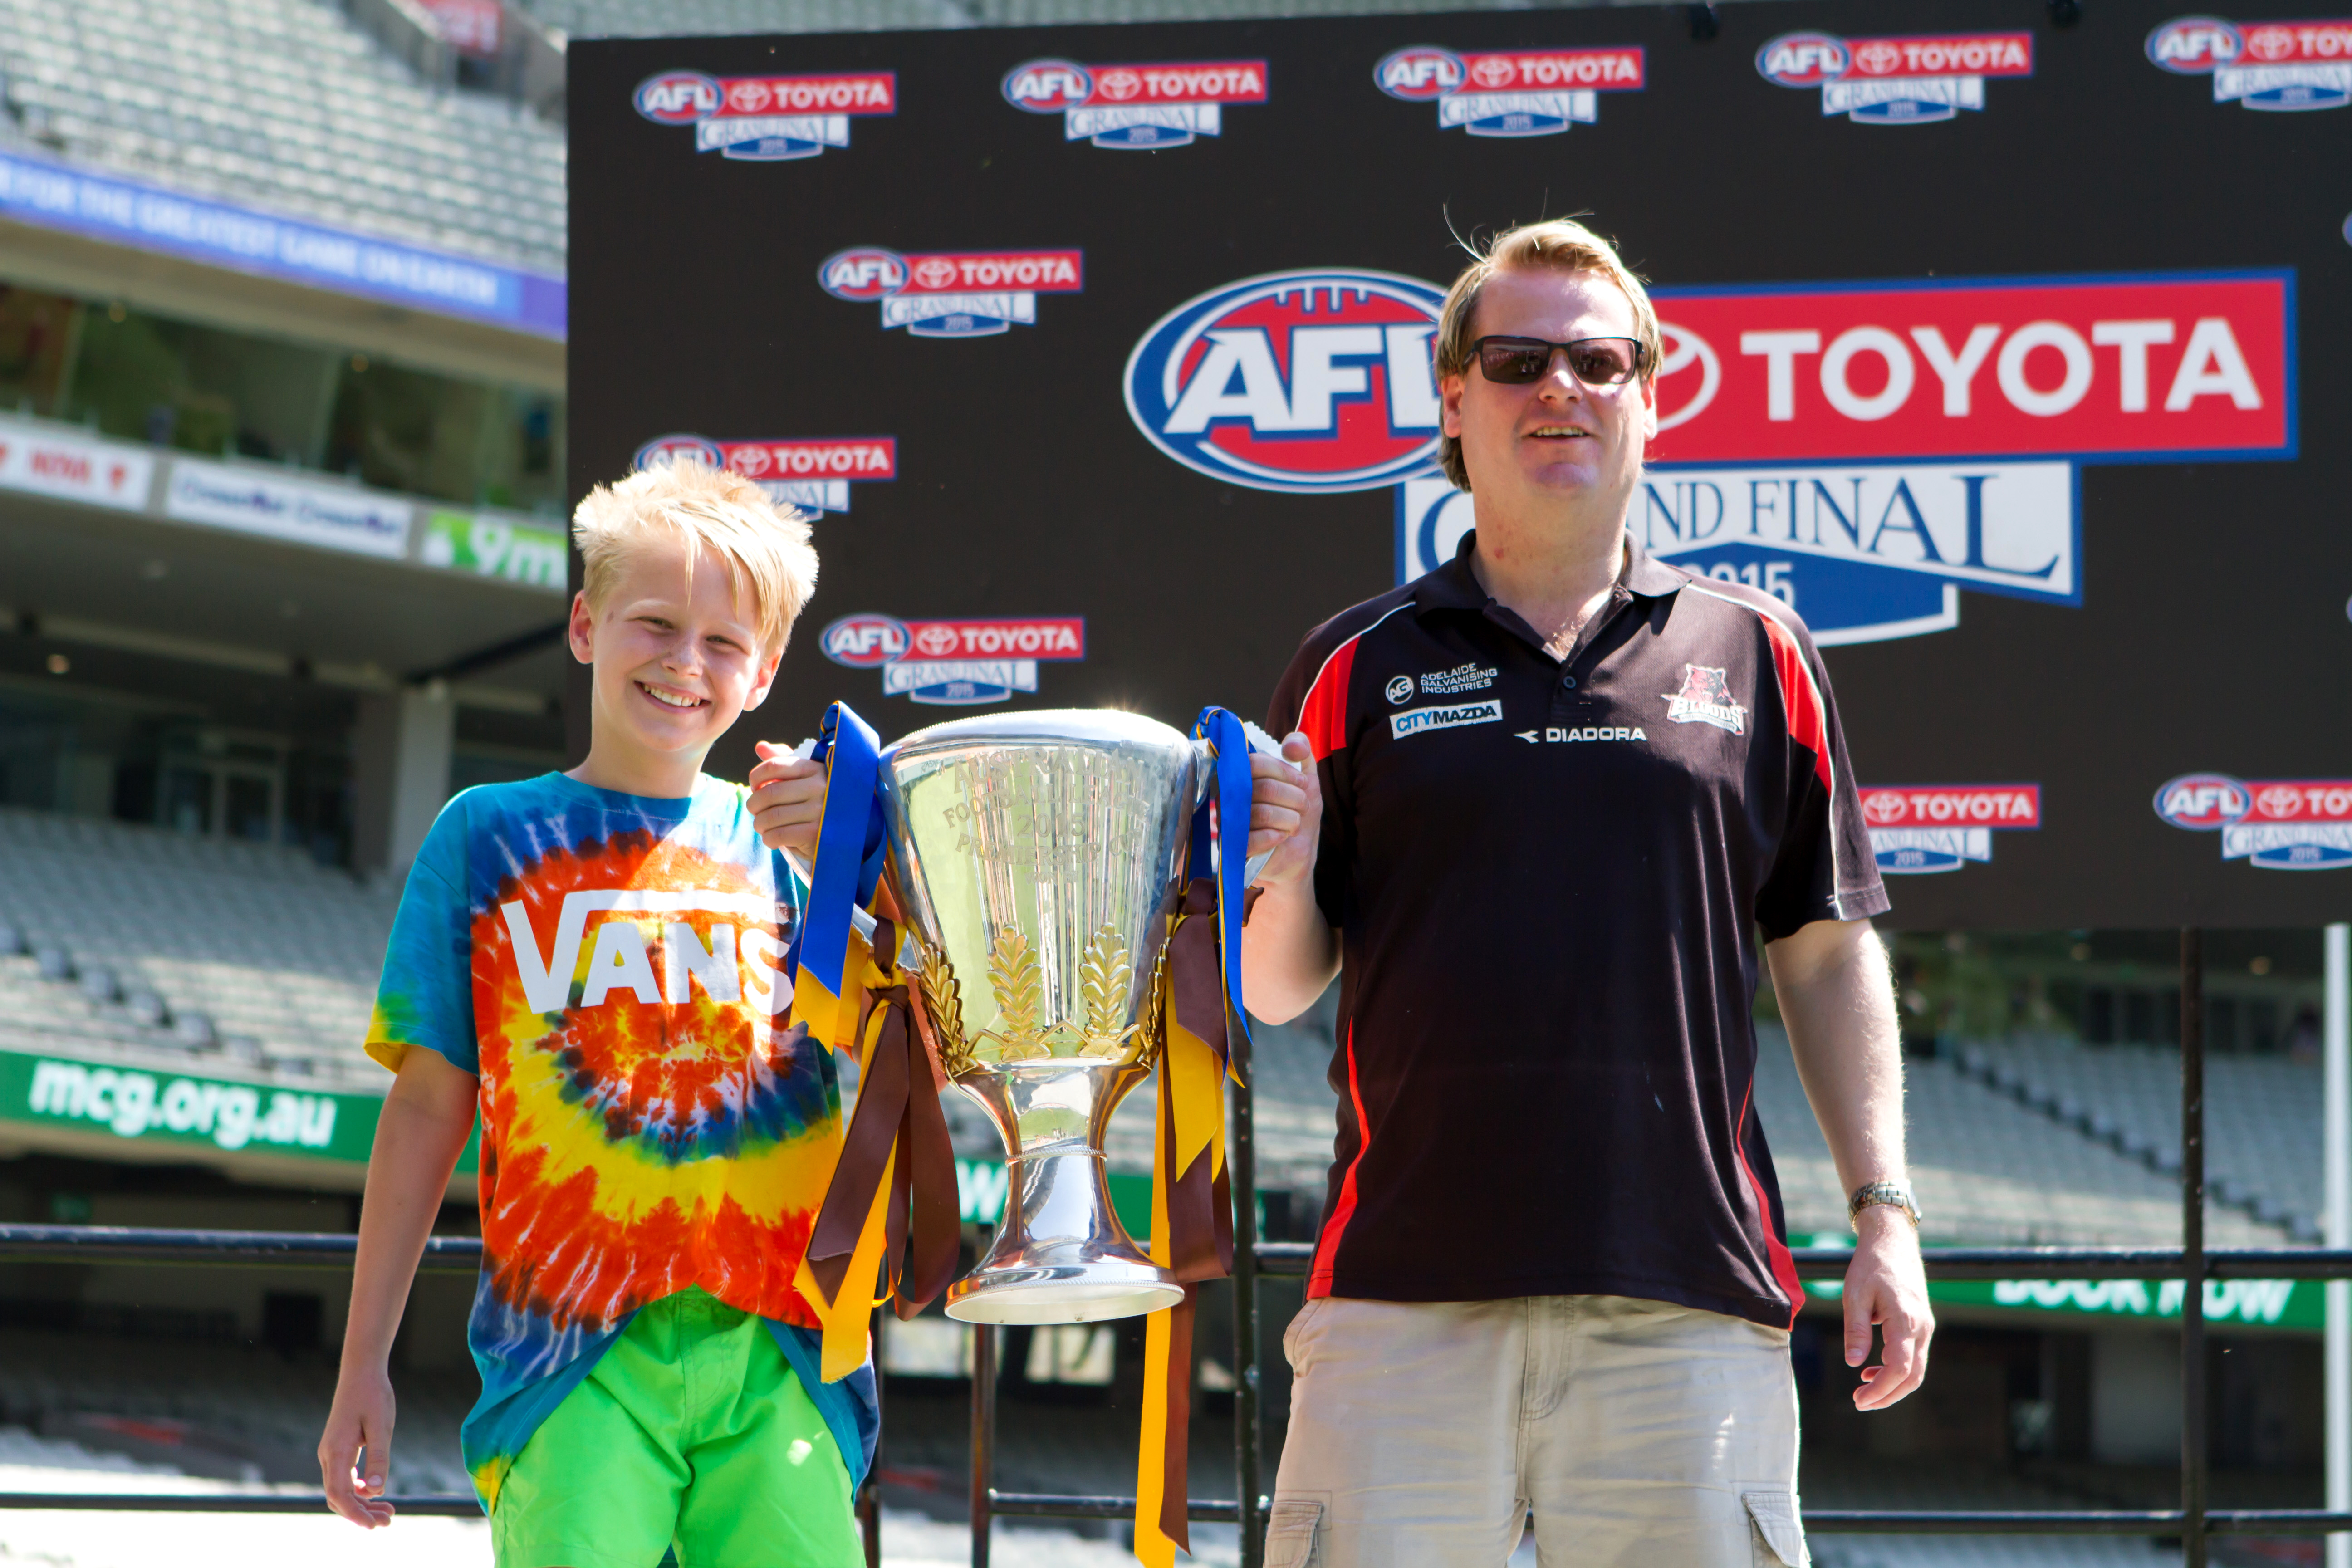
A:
[(1705, 698), (1413, 720), (742, 965), (1460, 679)]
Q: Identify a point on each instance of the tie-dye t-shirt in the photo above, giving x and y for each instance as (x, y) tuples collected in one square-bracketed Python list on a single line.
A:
[(611, 966)]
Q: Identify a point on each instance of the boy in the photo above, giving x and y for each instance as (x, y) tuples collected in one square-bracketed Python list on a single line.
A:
[(595, 959)]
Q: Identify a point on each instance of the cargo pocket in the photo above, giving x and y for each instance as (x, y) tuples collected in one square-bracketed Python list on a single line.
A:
[(1775, 1535), (1292, 1533)]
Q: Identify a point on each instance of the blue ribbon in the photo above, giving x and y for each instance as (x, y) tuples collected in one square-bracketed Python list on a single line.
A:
[(1230, 795), (850, 844)]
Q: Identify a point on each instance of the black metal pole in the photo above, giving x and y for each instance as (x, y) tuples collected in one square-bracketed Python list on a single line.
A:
[(984, 1435), (1247, 1434), (2192, 1248), (869, 1496)]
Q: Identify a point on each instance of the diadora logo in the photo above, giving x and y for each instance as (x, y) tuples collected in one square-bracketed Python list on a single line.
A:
[(2194, 46), (1556, 735), (2280, 65), (1705, 698), (2275, 825), (1514, 92), (1419, 720), (953, 294), (955, 662), (814, 473), (1312, 381), (678, 98), (1918, 829), (1400, 689), (1150, 107), (1912, 80), (866, 641), (766, 119)]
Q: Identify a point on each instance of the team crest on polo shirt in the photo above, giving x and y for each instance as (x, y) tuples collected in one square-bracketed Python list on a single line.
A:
[(1705, 698)]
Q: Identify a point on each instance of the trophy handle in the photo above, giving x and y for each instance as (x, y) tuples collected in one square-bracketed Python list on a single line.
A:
[(1205, 772)]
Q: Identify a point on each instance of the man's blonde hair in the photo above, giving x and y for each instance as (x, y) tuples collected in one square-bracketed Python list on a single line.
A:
[(1558, 246), (766, 547)]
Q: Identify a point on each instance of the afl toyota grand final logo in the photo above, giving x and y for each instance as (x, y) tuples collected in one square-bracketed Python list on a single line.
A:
[(1313, 382)]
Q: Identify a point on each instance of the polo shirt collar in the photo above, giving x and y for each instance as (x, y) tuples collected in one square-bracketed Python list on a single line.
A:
[(1454, 587)]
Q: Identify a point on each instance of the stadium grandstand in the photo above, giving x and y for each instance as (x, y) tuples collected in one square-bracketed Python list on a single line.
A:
[(282, 485)]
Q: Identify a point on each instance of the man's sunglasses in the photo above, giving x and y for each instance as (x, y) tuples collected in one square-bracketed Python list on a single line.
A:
[(1595, 361)]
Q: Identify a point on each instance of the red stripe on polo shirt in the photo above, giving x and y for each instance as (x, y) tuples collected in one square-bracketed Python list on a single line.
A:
[(1326, 1252), (1800, 698), (1784, 1262), (1324, 715)]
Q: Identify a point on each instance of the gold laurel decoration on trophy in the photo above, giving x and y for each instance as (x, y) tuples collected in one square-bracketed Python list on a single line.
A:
[(943, 996), (1106, 978), (1013, 974)]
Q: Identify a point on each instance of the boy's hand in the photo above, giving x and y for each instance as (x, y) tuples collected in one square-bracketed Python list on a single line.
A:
[(358, 1427), (787, 800)]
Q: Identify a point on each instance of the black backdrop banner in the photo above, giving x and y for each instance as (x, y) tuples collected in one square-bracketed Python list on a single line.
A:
[(2011, 356)]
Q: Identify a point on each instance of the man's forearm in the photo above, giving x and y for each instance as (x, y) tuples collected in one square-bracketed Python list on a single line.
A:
[(1289, 953), (1837, 998), (417, 1141)]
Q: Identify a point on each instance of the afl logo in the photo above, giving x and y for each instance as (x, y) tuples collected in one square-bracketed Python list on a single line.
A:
[(2194, 46), (1420, 73), (678, 98), (1048, 87), (1314, 382), (1803, 59), (863, 642), (663, 450), (2203, 802), (863, 274)]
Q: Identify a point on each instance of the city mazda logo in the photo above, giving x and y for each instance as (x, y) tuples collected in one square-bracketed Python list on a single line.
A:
[(1314, 382)]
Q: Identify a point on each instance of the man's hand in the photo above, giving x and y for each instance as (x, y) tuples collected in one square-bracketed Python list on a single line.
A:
[(360, 1420), (1884, 1285), (787, 800), (1285, 811)]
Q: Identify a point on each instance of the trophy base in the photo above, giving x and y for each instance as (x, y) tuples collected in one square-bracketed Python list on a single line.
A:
[(1070, 1293)]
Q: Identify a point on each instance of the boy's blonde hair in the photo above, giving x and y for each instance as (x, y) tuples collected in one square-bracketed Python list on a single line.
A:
[(765, 546), (1558, 246)]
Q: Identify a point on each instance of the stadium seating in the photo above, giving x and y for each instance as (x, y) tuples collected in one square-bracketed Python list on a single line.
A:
[(286, 105), (655, 18), (241, 953)]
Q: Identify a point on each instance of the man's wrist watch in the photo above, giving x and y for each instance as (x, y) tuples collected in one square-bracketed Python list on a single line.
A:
[(1894, 1194)]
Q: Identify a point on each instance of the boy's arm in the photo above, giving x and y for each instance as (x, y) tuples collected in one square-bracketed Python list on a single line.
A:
[(423, 1130)]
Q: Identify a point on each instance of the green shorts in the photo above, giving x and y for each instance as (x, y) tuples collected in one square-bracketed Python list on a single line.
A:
[(692, 1431)]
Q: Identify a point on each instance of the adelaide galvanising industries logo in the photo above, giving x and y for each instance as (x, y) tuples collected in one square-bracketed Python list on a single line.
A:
[(1915, 79), (953, 294), (954, 663), (766, 118), (2262, 64), (1312, 381), (1150, 107), (1510, 92), (2279, 824), (1916, 828), (814, 472)]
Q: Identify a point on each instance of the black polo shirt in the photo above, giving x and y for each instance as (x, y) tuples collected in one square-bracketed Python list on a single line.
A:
[(1548, 877)]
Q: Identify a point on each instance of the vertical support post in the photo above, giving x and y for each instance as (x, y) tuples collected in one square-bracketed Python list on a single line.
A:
[(869, 1496), (2338, 1183), (1247, 1432), (983, 1436), (2192, 1248)]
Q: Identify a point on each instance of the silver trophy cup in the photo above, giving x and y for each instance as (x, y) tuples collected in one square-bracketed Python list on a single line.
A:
[(1038, 855)]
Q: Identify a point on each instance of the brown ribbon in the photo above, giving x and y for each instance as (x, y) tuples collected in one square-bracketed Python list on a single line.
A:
[(898, 1105), (1199, 1206), (1175, 1500)]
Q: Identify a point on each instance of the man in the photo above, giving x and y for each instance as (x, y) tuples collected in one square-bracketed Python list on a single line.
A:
[(1557, 789)]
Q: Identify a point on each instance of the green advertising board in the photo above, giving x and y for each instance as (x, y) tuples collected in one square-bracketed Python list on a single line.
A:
[(491, 546), (2260, 1303)]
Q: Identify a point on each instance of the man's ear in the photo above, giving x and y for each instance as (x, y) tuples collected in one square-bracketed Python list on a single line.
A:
[(580, 632), (1449, 396), (1649, 409)]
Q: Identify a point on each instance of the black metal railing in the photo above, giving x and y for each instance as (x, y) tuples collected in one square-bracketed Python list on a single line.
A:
[(2193, 1262)]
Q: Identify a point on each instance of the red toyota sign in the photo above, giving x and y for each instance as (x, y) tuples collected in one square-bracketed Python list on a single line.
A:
[(2175, 365)]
